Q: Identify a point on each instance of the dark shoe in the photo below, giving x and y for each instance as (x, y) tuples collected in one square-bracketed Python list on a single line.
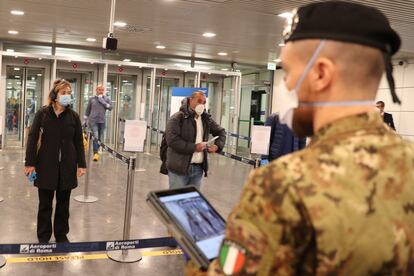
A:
[(43, 241), (62, 239)]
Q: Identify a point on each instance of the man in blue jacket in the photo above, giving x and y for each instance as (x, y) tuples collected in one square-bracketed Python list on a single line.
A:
[(282, 139)]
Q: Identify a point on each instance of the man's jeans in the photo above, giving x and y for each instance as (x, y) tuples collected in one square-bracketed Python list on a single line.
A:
[(98, 131), (195, 174)]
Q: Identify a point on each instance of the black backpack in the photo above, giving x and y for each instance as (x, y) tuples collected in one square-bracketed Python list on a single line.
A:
[(163, 155)]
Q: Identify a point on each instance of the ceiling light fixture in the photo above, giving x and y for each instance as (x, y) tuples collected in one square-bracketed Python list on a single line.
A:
[(16, 69), (16, 12), (160, 47), (209, 34), (91, 39), (286, 15), (10, 50), (224, 69), (120, 24), (222, 54), (39, 75), (13, 32), (127, 60)]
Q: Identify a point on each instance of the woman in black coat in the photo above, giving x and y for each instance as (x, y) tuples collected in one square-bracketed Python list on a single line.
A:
[(55, 152)]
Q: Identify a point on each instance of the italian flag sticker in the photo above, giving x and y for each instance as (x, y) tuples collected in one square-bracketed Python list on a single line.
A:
[(232, 257)]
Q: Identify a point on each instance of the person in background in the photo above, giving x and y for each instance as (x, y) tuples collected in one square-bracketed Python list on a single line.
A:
[(55, 152), (186, 133), (387, 117), (282, 139), (95, 117)]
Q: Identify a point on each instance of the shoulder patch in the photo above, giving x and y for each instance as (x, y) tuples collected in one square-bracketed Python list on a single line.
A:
[(232, 257)]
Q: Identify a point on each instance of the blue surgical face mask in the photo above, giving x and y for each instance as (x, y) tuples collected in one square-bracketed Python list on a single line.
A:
[(288, 100), (65, 100)]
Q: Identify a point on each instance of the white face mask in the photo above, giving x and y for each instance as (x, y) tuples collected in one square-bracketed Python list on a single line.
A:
[(199, 109), (288, 100)]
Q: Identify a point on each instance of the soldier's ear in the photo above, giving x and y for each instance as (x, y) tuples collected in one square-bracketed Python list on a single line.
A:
[(322, 75)]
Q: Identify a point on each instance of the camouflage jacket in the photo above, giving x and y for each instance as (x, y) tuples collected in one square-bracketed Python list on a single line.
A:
[(342, 206)]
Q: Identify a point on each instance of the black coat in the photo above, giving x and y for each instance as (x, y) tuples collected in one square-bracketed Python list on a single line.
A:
[(389, 120), (181, 134), (61, 140)]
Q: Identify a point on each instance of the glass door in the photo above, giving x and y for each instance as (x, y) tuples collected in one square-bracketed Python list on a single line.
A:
[(82, 88), (24, 88), (122, 90), (126, 101), (162, 107), (111, 93)]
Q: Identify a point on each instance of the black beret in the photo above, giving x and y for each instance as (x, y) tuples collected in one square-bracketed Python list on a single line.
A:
[(343, 21)]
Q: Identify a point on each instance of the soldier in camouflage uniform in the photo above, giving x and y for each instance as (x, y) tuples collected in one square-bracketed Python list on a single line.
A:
[(345, 204)]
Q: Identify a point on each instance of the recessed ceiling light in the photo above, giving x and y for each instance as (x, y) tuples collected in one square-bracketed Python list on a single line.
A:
[(286, 15), (224, 69), (39, 75), (120, 24), (91, 39), (16, 12), (10, 50), (282, 44), (209, 34), (17, 77), (222, 54), (16, 69), (12, 32), (127, 60), (160, 47)]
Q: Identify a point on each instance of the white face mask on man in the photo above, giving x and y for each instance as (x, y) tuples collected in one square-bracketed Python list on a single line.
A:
[(288, 100), (199, 109)]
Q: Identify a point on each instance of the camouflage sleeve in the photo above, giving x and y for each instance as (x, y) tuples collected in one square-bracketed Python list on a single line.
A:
[(260, 229)]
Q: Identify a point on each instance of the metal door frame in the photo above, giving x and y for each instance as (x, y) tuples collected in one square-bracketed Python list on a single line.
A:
[(22, 133)]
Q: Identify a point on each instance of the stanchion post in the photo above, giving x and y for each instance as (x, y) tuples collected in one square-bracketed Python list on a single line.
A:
[(257, 163), (3, 261), (127, 256), (86, 198), (138, 168)]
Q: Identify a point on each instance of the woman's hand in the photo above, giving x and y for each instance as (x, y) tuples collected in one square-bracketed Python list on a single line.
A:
[(29, 170), (81, 171)]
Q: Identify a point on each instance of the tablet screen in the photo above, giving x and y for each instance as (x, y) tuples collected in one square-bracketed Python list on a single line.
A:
[(198, 219)]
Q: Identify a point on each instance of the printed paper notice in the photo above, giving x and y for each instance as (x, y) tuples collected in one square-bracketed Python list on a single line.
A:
[(134, 135), (260, 139)]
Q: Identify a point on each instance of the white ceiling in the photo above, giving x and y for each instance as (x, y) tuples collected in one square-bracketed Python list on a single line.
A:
[(248, 30)]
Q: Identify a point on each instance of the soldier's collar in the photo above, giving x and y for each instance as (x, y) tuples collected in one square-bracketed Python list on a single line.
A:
[(348, 125)]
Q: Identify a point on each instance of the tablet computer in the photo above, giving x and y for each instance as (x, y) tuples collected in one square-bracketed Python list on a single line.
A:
[(194, 223)]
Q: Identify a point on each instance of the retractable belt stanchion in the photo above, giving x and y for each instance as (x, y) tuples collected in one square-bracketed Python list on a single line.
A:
[(127, 256), (138, 168), (3, 261), (86, 198), (1, 199)]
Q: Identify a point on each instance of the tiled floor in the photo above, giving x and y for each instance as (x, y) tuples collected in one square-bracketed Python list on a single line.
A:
[(103, 220)]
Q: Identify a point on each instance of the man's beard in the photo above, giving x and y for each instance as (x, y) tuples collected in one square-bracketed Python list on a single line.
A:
[(303, 121)]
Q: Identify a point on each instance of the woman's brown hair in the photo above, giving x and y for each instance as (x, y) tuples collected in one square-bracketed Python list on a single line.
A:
[(57, 86)]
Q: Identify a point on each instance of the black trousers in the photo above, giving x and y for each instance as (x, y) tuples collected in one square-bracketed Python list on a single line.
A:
[(44, 215)]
